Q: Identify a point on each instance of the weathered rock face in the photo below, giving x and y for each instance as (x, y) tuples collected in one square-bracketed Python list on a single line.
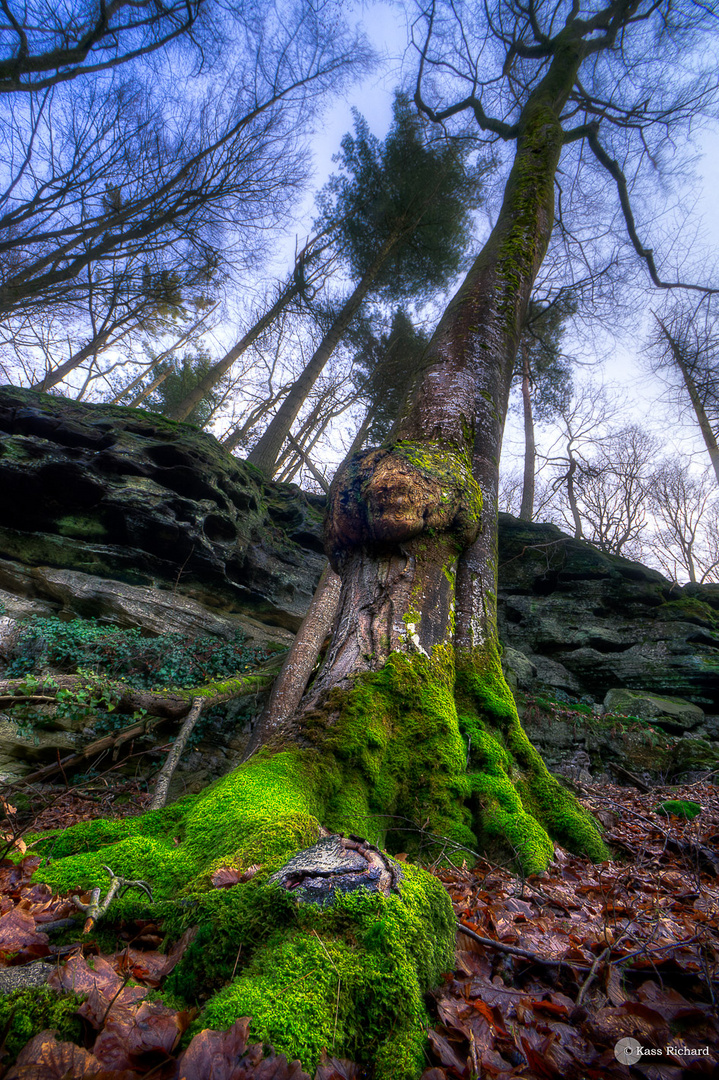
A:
[(670, 714), (124, 516), (585, 622), (97, 493)]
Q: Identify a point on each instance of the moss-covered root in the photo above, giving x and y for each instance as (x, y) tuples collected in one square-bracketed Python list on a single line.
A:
[(519, 806), (350, 979)]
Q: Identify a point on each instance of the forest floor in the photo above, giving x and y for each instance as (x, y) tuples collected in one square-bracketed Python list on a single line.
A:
[(569, 963)]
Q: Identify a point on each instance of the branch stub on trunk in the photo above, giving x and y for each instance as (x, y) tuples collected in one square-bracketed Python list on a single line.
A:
[(337, 864)]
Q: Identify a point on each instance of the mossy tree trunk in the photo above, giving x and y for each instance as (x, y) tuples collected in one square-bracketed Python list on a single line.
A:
[(408, 728)]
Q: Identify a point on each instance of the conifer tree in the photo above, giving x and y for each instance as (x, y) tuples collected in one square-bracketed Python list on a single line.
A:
[(403, 209)]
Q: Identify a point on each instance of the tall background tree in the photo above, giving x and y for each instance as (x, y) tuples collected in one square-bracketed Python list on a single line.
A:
[(684, 351), (545, 377), (403, 211)]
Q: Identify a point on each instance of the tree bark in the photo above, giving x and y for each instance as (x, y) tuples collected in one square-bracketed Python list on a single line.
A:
[(705, 427), (572, 498), (162, 784), (290, 684), (526, 511)]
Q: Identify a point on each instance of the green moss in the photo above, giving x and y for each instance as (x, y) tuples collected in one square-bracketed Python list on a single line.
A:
[(261, 812), (518, 804), (451, 468), (396, 730), (25, 1013), (81, 527), (346, 978), (690, 609), (683, 808)]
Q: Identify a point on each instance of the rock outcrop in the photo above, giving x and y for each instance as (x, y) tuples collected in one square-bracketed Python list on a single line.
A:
[(584, 622), (98, 494)]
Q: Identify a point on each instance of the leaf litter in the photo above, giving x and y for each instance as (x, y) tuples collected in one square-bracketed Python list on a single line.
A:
[(579, 957), (624, 949)]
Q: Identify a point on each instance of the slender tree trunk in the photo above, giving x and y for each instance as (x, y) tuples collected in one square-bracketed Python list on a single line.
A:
[(361, 435), (705, 427), (300, 662), (164, 777), (52, 378), (572, 499), (220, 369), (265, 453), (526, 511), (147, 390), (316, 474)]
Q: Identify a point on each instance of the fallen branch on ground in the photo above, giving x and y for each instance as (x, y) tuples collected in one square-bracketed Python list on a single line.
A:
[(96, 908), (514, 950), (107, 742), (171, 761), (157, 704), (168, 704)]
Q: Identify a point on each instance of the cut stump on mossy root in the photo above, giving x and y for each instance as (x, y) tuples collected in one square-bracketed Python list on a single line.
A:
[(411, 742)]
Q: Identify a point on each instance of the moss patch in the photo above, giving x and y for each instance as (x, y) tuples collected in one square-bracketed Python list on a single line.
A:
[(518, 804), (399, 757), (344, 979), (683, 808), (25, 1013)]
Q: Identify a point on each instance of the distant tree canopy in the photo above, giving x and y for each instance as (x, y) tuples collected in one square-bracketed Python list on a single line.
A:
[(416, 184), (400, 211)]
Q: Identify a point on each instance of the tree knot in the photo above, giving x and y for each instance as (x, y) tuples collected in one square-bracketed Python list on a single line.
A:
[(389, 495)]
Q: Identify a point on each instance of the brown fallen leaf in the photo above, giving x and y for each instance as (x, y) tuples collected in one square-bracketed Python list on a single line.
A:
[(225, 877), (44, 1058), (149, 966), (446, 1053), (332, 1068), (77, 975), (140, 1038), (213, 1055), (20, 940), (122, 1005)]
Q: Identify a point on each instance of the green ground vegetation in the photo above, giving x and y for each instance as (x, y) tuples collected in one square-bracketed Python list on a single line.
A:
[(25, 1013), (683, 808)]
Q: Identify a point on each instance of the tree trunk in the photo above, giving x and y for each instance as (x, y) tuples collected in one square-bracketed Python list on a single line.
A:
[(265, 453), (572, 498), (705, 427), (526, 512), (147, 390), (289, 686), (358, 441), (218, 370), (409, 728), (52, 378)]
